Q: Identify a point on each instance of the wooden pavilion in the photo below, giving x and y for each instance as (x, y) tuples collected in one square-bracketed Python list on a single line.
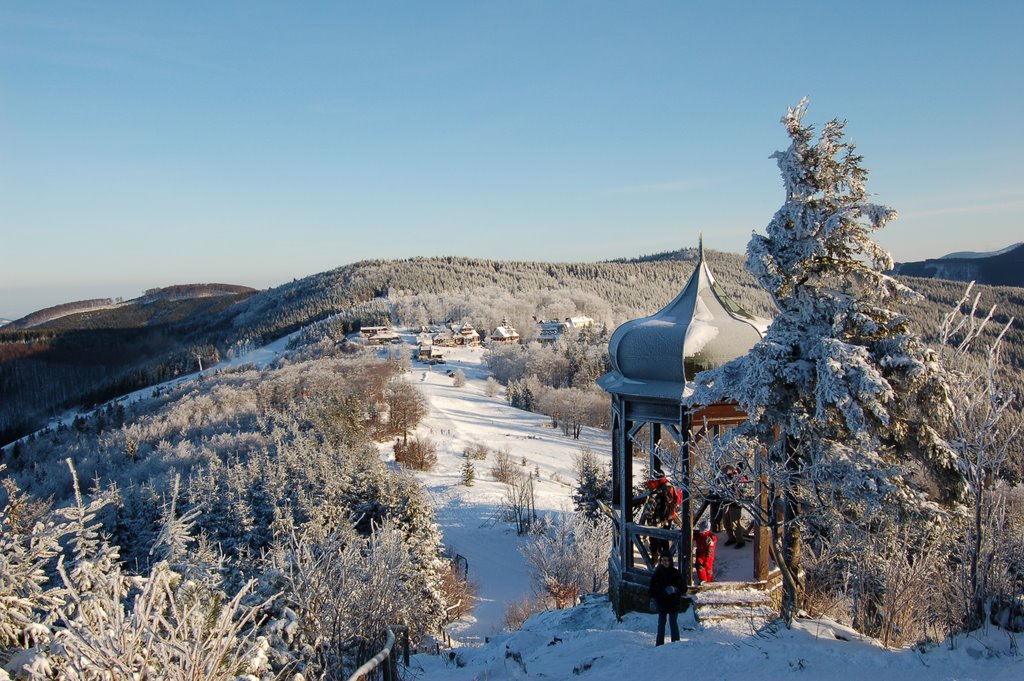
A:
[(652, 359)]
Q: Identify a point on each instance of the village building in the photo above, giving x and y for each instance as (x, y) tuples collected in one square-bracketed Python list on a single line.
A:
[(504, 334), (379, 335), (426, 352), (444, 338), (456, 335), (383, 337), (367, 331), (465, 334), (652, 360), (550, 331)]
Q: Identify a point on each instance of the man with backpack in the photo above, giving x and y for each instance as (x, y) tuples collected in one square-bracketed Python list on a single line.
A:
[(662, 510)]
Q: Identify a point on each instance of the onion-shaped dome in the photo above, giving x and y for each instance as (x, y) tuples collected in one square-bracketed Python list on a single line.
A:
[(702, 328)]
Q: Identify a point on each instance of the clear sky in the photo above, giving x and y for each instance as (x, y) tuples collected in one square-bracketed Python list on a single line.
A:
[(146, 144)]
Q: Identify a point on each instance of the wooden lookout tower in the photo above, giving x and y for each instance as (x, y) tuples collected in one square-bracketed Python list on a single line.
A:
[(652, 360)]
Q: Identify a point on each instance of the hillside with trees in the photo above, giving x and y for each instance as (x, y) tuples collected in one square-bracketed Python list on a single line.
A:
[(259, 490), (84, 359)]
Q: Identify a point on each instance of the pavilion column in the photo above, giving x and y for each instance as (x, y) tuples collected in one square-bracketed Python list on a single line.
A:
[(625, 492), (686, 511)]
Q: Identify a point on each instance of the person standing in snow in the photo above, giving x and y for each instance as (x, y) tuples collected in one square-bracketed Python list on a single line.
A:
[(704, 541), (666, 594)]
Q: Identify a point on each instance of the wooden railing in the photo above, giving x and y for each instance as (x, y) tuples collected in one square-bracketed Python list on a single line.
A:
[(386, 659)]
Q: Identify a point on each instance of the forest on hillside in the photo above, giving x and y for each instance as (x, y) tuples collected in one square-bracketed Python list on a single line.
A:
[(248, 512), (85, 359)]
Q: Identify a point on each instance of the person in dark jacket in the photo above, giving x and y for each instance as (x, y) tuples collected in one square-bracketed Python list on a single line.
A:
[(666, 595)]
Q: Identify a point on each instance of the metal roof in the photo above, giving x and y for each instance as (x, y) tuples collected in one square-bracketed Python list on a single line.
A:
[(701, 328)]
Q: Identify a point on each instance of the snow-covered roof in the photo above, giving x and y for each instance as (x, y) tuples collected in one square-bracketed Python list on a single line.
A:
[(700, 329)]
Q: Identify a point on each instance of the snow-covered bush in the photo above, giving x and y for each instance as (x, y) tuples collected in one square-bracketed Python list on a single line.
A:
[(568, 557), (97, 622), (418, 454), (338, 594), (983, 430)]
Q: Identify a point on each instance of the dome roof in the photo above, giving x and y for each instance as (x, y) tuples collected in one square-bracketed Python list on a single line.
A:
[(702, 328)]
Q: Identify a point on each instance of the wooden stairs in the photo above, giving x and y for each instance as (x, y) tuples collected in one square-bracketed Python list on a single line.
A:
[(733, 601)]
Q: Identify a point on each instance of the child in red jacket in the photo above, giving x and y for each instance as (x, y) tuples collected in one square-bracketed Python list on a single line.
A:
[(704, 541)]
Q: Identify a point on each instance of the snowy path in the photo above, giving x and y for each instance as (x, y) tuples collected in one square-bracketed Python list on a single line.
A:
[(470, 516)]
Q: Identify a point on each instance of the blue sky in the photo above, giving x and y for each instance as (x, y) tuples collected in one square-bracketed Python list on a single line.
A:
[(147, 144)]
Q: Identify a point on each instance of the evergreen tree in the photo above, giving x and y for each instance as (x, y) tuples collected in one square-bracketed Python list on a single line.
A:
[(840, 394), (595, 485), (468, 473)]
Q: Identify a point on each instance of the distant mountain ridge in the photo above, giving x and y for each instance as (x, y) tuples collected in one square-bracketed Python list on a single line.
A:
[(168, 293), (57, 311), (1000, 268), (974, 254)]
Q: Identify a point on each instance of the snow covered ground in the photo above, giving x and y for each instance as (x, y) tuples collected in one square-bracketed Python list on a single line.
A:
[(587, 641), (469, 516)]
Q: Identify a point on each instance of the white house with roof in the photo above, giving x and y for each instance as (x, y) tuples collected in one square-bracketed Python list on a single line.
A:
[(383, 337), (551, 331), (504, 334)]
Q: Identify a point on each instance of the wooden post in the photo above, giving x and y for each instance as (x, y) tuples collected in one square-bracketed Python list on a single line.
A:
[(686, 512), (626, 494)]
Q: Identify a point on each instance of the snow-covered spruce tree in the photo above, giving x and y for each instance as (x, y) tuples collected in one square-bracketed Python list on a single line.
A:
[(30, 541), (841, 395), (594, 484), (468, 472)]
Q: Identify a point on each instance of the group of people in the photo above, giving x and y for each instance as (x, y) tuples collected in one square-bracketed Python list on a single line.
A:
[(667, 586)]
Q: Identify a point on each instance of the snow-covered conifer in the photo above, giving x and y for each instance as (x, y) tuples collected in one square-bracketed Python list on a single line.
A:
[(594, 484), (840, 393), (468, 472)]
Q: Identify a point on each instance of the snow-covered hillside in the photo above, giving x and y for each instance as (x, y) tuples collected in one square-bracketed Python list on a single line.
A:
[(588, 641)]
